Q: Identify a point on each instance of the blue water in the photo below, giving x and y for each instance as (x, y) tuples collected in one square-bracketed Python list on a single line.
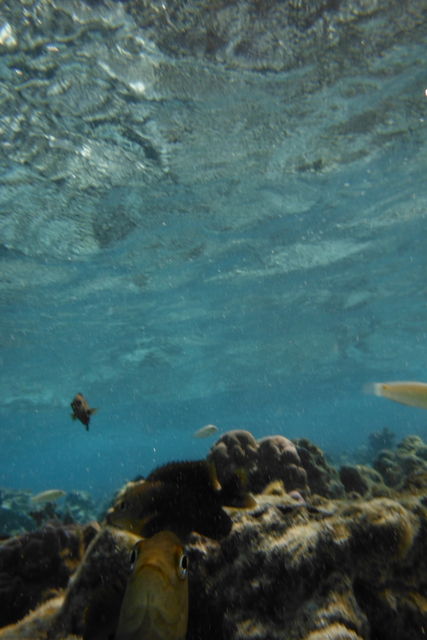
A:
[(239, 247)]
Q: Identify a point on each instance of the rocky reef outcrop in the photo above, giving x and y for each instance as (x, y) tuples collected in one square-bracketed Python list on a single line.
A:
[(409, 460), (330, 572), (360, 480), (35, 566), (335, 569), (322, 478), (351, 567), (299, 464)]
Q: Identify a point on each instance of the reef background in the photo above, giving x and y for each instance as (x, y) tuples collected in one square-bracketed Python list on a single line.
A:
[(209, 213), (337, 556)]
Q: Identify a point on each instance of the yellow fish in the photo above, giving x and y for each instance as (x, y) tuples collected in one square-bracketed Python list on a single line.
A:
[(155, 605), (413, 394)]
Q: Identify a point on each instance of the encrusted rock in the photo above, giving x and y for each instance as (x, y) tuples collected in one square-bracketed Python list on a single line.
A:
[(92, 602), (321, 477), (292, 573), (348, 570), (363, 481), (35, 565), (314, 569), (387, 465), (409, 459)]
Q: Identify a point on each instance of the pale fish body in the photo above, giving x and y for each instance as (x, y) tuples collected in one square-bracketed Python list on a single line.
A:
[(206, 431), (47, 496), (413, 394), (155, 605)]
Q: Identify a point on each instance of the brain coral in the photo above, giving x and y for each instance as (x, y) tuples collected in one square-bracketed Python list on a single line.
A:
[(299, 464), (265, 460), (235, 449)]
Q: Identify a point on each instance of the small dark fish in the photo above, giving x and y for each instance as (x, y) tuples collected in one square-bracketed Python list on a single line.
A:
[(181, 497), (155, 605), (81, 410)]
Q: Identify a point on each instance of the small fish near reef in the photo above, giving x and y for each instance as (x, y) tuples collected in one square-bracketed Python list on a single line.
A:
[(155, 604), (206, 431), (81, 410), (51, 495), (181, 497), (413, 394)]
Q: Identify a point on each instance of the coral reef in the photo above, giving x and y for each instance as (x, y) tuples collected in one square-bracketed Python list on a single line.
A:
[(277, 459), (322, 478), (79, 506), (286, 572), (19, 514), (310, 567), (13, 522), (383, 439), (344, 570), (234, 450), (299, 464), (363, 481), (265, 460), (409, 459), (14, 512), (35, 565)]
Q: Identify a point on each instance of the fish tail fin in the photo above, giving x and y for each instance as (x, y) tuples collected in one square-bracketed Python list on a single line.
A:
[(87, 427), (73, 416), (249, 502), (214, 477), (234, 492), (373, 389)]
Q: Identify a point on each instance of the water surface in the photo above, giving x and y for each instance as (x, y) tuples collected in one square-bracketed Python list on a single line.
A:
[(208, 214)]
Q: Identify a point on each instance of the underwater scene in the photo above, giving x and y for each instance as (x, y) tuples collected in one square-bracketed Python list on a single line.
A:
[(213, 320)]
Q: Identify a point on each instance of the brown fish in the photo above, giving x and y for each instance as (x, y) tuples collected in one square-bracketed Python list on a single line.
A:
[(81, 410), (155, 605), (181, 497)]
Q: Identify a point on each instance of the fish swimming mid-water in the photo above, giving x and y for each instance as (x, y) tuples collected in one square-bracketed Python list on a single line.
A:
[(413, 394), (47, 496), (206, 431), (155, 604), (81, 410), (181, 497)]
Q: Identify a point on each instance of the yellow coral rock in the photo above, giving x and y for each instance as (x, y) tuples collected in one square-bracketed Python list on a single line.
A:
[(334, 631), (35, 625)]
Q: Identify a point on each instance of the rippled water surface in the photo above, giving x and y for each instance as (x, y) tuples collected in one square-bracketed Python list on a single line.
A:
[(209, 213)]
